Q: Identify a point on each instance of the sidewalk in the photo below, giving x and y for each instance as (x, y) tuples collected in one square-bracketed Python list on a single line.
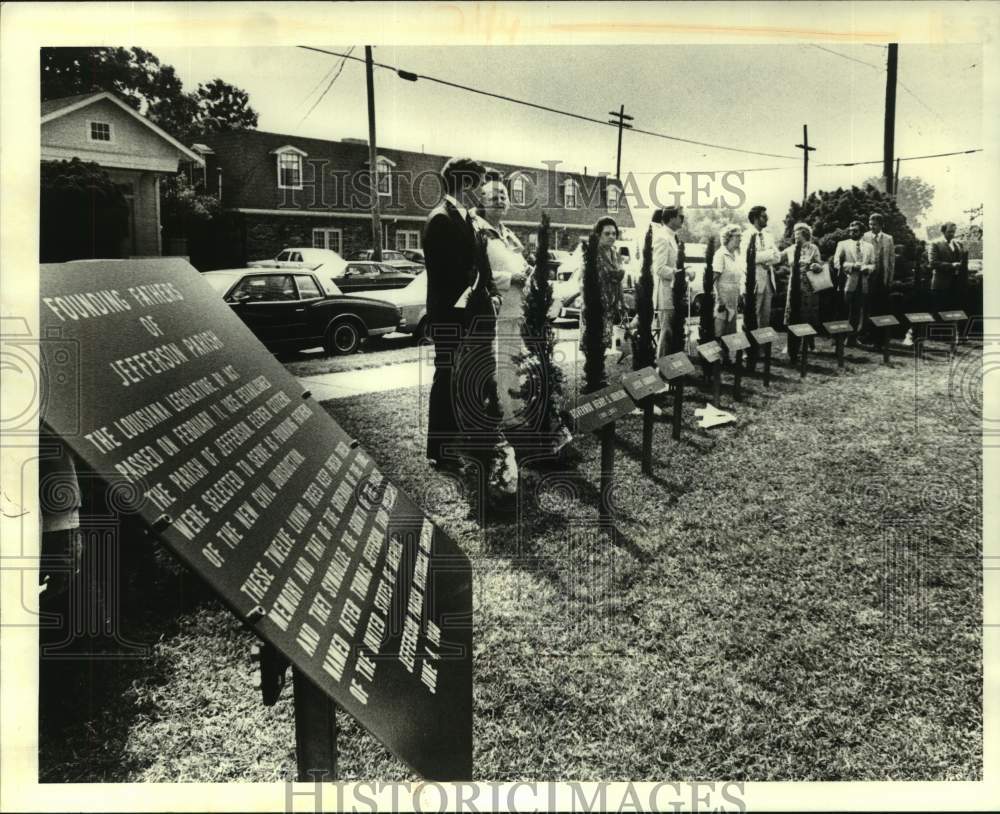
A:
[(393, 377)]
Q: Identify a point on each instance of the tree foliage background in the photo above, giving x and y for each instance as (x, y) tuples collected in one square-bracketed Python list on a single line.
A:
[(914, 196)]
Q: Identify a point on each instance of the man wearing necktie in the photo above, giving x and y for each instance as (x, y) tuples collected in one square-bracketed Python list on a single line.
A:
[(947, 257), (855, 259), (766, 257), (461, 301), (885, 248)]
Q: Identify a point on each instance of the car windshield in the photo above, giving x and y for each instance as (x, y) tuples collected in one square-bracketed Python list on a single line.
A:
[(220, 282)]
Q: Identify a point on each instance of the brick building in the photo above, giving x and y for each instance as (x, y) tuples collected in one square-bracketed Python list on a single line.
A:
[(280, 190)]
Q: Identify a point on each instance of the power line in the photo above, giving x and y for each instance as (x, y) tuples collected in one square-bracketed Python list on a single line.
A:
[(908, 158), (845, 56), (412, 76), (339, 70)]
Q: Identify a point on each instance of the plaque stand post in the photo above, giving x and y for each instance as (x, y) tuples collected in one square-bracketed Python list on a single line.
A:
[(647, 437), (885, 344), (767, 365), (607, 434), (315, 732), (803, 356), (717, 383), (738, 377), (678, 406), (839, 340)]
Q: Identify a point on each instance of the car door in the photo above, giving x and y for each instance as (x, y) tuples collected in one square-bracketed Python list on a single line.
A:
[(269, 305), (312, 322)]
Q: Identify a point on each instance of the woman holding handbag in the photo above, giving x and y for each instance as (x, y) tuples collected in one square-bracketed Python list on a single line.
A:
[(808, 277)]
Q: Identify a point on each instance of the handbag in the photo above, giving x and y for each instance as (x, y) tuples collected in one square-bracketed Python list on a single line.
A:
[(820, 280)]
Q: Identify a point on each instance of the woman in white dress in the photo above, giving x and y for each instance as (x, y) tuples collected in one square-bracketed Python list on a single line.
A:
[(506, 256)]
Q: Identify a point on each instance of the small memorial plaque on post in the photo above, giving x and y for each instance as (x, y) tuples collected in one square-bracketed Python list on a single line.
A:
[(884, 322), (674, 368), (594, 410), (919, 318), (952, 316), (802, 330), (711, 352), (263, 495), (641, 384), (763, 336), (840, 326), (838, 329), (736, 341)]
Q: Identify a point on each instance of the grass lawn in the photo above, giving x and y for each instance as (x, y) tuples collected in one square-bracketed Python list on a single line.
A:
[(797, 596)]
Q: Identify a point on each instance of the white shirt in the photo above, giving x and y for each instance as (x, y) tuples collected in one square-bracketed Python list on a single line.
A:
[(767, 254), (664, 264), (454, 202)]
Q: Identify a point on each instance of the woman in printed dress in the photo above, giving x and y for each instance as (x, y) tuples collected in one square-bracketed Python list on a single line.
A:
[(610, 275)]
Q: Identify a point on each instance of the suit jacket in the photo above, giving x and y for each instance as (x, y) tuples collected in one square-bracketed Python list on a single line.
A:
[(885, 254), (850, 251), (453, 257), (664, 264), (766, 258), (942, 256)]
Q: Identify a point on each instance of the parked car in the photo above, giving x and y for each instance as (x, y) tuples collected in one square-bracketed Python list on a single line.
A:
[(294, 258), (412, 302), (288, 309), (566, 302), (694, 260), (365, 275), (390, 257), (414, 255)]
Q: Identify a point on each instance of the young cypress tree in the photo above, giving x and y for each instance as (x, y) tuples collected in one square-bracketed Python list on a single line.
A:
[(678, 292), (750, 299), (544, 379), (706, 325), (594, 374), (795, 298), (644, 352)]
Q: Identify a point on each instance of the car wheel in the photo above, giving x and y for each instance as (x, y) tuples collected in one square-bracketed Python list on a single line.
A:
[(423, 332), (343, 337)]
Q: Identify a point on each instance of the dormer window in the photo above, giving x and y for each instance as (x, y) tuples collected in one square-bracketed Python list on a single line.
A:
[(570, 199), (289, 166), (613, 198), (383, 169), (100, 131), (518, 190)]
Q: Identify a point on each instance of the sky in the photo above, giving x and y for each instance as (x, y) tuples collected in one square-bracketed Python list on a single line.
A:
[(754, 97)]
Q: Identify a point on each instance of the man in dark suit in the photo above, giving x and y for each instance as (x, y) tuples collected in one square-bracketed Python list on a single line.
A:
[(462, 301), (948, 260)]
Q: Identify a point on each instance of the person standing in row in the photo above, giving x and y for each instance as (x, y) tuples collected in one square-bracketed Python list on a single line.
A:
[(461, 299), (666, 253), (759, 242), (947, 257), (884, 248), (802, 257), (728, 280), (855, 259), (609, 277)]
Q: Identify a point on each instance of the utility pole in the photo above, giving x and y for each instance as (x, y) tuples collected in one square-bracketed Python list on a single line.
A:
[(890, 116), (895, 185), (806, 149), (372, 159), (621, 120)]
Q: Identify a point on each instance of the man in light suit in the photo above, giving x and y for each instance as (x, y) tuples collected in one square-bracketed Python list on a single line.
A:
[(767, 256), (664, 266), (856, 260), (885, 249), (947, 257)]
